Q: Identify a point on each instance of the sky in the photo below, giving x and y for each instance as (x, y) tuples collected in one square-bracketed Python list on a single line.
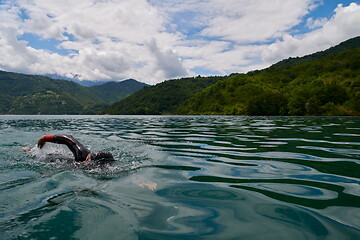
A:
[(155, 40)]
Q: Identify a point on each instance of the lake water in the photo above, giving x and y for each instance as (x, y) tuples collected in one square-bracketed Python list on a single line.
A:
[(182, 177)]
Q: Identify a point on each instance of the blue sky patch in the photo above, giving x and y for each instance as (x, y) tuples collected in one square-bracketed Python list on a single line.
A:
[(50, 45)]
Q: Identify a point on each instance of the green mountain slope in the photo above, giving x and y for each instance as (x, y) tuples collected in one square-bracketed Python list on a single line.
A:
[(163, 98), (27, 94), (326, 83), (114, 91), (344, 46)]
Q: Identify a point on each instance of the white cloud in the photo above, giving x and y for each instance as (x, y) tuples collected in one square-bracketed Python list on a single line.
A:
[(255, 20), (317, 23), (44, 26), (236, 29), (108, 37), (242, 21), (167, 61), (82, 32), (152, 40), (342, 26)]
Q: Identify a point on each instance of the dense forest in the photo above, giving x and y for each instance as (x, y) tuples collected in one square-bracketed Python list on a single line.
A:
[(325, 83), (163, 98), (27, 94), (329, 85)]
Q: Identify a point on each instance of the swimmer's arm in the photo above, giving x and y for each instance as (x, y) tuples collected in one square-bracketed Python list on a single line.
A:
[(44, 139)]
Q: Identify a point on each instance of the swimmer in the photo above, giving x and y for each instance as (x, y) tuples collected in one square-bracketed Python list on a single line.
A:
[(81, 153)]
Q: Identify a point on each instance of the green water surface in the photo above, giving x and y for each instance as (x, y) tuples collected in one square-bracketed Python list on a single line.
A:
[(182, 177)]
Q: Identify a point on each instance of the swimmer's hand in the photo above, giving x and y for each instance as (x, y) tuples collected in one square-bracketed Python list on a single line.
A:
[(151, 186), (41, 143), (26, 149)]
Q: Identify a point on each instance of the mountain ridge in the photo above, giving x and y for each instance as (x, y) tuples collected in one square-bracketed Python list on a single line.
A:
[(323, 83), (28, 94), (162, 98), (348, 44)]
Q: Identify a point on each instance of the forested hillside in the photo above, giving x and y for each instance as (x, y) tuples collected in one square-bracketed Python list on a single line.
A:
[(27, 94), (114, 91), (163, 98), (326, 83)]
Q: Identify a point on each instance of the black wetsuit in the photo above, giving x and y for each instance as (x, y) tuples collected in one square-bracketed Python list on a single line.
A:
[(80, 152)]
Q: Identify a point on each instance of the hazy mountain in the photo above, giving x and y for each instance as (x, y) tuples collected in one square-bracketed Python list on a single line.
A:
[(111, 92)]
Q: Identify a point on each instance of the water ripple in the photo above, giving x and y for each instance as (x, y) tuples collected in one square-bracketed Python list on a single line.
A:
[(183, 177)]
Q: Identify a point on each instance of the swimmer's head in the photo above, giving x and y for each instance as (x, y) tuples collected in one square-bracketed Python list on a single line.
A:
[(102, 157)]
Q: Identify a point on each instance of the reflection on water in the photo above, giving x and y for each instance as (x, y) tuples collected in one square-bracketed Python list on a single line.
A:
[(212, 178), (293, 217)]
